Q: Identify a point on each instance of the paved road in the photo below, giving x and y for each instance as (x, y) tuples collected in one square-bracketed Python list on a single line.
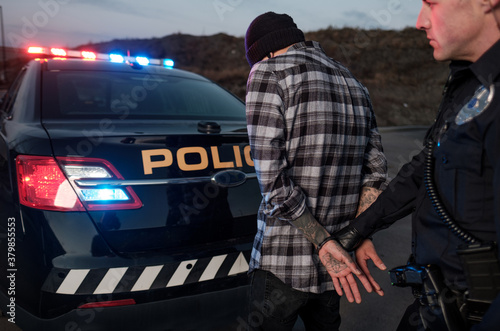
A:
[(375, 313)]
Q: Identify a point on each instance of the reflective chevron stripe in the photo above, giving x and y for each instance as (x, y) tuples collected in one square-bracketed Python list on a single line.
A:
[(181, 273), (72, 281), (143, 278), (147, 278), (212, 268), (110, 281)]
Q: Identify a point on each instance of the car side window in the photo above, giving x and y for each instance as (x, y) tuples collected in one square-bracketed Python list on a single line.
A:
[(10, 96)]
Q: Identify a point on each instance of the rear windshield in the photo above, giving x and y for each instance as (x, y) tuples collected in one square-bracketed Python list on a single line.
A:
[(95, 95)]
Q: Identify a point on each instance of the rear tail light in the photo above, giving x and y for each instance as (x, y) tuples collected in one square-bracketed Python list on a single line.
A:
[(49, 184), (42, 185)]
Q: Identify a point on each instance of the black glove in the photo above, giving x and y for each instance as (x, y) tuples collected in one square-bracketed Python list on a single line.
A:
[(349, 238)]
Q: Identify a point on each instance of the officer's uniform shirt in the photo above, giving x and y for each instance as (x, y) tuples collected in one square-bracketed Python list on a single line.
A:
[(466, 174)]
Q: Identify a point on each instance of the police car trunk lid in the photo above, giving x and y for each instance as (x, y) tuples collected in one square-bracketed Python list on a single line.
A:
[(170, 167)]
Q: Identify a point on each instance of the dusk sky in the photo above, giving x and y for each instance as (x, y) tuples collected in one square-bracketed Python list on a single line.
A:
[(69, 23)]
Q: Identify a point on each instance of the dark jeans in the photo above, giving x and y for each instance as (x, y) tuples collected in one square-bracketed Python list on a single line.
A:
[(275, 306)]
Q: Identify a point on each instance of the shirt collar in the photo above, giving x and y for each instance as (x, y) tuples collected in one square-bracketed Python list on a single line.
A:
[(486, 68), (305, 44)]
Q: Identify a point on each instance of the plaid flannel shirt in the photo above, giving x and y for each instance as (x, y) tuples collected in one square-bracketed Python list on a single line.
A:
[(315, 144)]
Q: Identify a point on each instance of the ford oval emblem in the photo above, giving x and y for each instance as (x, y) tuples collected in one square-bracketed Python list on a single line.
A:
[(229, 178)]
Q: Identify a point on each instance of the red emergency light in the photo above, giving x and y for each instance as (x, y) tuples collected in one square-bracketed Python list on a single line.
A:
[(58, 52), (89, 55), (36, 50)]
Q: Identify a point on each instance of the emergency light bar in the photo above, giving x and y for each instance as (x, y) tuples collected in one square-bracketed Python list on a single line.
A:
[(88, 55)]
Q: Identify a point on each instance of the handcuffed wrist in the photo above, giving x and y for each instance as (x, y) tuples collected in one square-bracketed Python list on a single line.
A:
[(321, 244), (349, 238)]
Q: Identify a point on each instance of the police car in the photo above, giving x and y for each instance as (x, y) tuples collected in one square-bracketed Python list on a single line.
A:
[(128, 196)]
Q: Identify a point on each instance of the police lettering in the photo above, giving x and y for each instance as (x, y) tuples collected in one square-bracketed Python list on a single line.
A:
[(161, 158)]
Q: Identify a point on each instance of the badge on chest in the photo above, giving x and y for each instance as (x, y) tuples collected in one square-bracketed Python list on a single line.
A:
[(479, 103)]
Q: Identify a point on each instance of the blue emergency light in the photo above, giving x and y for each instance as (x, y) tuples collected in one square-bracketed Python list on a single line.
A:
[(168, 63), (143, 61), (116, 58)]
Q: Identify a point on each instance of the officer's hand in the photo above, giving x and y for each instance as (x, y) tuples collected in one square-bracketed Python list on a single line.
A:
[(341, 267), (364, 253)]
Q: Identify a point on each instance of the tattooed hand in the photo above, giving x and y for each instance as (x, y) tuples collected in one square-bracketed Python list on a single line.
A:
[(337, 261), (341, 267)]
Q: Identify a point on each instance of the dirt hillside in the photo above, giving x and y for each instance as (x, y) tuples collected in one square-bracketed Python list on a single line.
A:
[(397, 67)]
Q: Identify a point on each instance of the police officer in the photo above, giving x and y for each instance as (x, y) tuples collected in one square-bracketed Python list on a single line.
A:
[(454, 194)]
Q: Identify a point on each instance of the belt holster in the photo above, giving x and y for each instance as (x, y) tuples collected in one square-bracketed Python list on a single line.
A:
[(482, 272)]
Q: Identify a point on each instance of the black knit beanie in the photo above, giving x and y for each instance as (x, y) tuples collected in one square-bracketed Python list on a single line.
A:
[(270, 32)]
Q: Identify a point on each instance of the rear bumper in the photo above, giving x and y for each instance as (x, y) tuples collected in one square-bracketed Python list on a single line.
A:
[(133, 278), (220, 310)]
